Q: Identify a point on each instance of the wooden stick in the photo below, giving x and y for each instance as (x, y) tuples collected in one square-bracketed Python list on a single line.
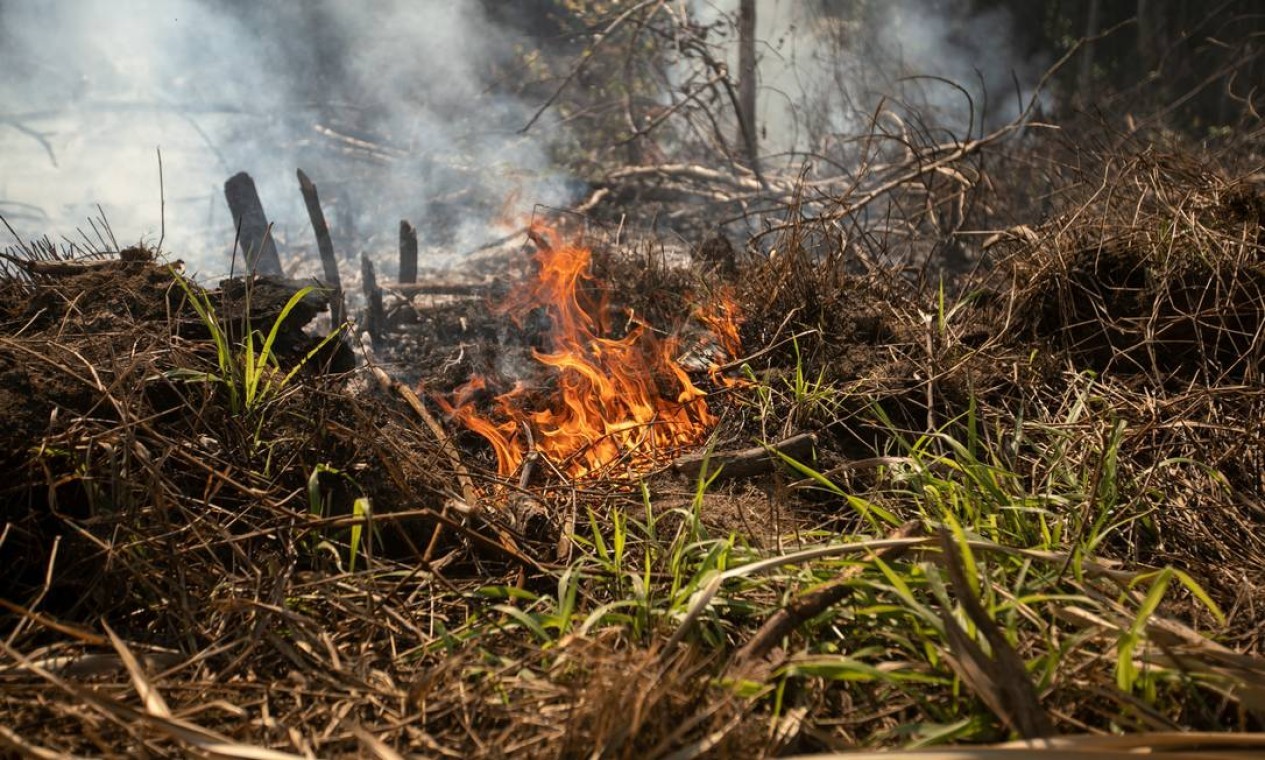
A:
[(468, 493), (255, 236), (325, 245), (747, 462), (445, 441), (812, 603), (408, 252)]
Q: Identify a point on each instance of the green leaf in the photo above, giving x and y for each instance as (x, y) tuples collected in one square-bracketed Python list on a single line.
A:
[(1126, 673), (360, 508), (529, 622), (1194, 588)]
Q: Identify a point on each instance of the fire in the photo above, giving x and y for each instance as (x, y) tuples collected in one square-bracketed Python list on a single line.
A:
[(618, 405), (722, 317)]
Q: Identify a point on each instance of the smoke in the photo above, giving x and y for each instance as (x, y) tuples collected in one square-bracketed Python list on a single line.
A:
[(389, 105), (393, 108), (825, 65)]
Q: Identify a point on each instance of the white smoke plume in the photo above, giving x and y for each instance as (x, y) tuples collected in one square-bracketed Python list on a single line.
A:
[(824, 65), (386, 104)]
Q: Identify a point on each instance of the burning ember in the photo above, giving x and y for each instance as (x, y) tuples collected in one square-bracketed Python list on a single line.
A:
[(619, 404)]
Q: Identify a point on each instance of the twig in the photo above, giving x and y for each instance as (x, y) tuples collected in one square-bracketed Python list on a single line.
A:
[(17, 239), (36, 136), (1001, 679), (162, 202), (812, 603), (469, 496), (445, 441), (736, 363), (591, 202), (747, 462), (588, 55)]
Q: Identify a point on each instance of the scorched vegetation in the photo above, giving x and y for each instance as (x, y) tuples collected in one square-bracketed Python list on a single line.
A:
[(928, 441)]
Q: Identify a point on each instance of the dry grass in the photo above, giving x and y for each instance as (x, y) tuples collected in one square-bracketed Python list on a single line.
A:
[(1065, 447)]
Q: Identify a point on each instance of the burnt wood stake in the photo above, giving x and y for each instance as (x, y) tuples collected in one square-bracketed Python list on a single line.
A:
[(254, 235), (408, 252), (373, 299), (325, 245)]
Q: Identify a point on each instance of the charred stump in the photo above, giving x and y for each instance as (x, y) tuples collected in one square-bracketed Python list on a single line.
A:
[(253, 232), (408, 252), (324, 244), (374, 315)]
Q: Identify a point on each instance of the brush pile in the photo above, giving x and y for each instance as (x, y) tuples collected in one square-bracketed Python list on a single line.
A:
[(1022, 502)]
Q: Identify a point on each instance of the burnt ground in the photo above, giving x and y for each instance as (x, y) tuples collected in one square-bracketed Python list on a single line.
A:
[(1098, 375)]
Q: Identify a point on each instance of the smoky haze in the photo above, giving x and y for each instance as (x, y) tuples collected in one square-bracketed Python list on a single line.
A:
[(825, 65), (386, 104), (393, 108)]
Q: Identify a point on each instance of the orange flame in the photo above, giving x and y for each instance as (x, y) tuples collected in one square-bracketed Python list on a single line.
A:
[(619, 404), (722, 317)]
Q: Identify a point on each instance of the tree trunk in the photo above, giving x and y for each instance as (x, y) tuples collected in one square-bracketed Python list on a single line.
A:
[(375, 317), (408, 252), (1147, 47), (1085, 81), (747, 81)]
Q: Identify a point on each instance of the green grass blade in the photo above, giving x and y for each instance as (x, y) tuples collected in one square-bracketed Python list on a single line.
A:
[(360, 508)]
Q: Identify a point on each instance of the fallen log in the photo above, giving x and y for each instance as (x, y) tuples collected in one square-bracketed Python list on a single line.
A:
[(433, 289), (747, 462)]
